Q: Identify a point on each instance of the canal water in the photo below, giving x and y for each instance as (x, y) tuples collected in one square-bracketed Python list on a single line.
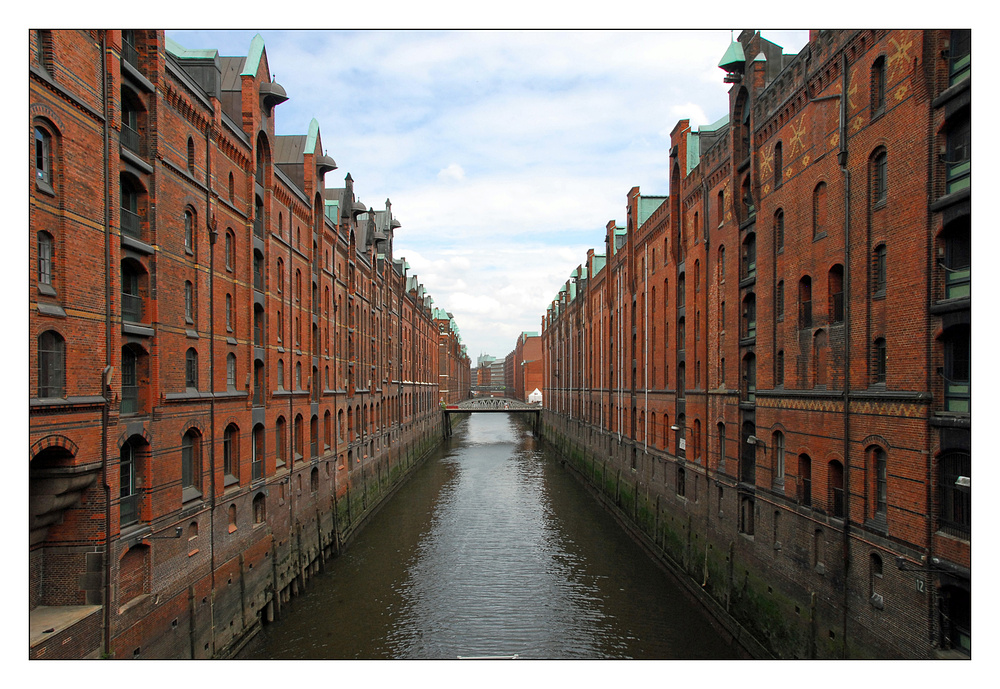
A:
[(492, 548)]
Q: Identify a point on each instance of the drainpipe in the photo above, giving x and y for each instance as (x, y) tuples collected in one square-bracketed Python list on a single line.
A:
[(213, 236), (842, 159), (108, 371), (645, 347)]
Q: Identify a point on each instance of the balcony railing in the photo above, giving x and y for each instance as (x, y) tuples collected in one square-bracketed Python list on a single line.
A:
[(132, 307), (131, 223), (130, 54), (132, 140)]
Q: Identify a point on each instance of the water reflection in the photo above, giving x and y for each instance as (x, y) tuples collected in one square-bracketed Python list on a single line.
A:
[(492, 548)]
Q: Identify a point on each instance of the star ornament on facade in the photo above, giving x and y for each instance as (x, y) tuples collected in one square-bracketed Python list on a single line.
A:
[(902, 55)]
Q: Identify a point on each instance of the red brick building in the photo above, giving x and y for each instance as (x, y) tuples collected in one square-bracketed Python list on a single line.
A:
[(770, 366), (523, 367), (455, 373), (228, 365)]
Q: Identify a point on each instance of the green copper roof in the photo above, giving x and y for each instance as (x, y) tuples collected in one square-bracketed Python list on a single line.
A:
[(332, 209), (175, 48), (312, 136), (600, 260), (734, 55), (252, 64), (649, 204)]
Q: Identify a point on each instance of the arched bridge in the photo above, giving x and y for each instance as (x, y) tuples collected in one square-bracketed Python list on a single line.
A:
[(495, 405)]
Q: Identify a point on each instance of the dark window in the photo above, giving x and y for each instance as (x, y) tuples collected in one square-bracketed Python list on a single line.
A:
[(805, 480), (747, 508), (835, 284), (128, 493), (188, 301), (879, 270), (778, 447), (778, 164), (43, 156), (957, 375), (879, 359), (191, 369), (958, 156), (231, 371), (836, 479), (960, 52), (880, 180), (805, 302), (748, 267), (190, 155), (680, 482), (191, 460), (779, 299), (257, 453), (881, 480), (230, 251), (956, 493), (779, 230), (231, 453), (44, 259), (957, 260), (750, 316), (259, 509), (51, 365), (819, 209), (279, 441), (188, 231), (779, 368), (878, 86)]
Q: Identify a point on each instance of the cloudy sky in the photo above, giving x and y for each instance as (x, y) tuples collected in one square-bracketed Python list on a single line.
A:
[(504, 153)]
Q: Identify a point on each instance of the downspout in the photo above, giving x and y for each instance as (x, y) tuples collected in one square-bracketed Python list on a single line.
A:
[(213, 236), (645, 347), (708, 423), (842, 159), (108, 371)]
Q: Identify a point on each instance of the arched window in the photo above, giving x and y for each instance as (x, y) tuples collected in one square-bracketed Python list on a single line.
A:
[(231, 454), (879, 177), (778, 450), (45, 251), (879, 359), (189, 231), (191, 368), (230, 316), (878, 500), (189, 302), (51, 365), (805, 480), (258, 451), (232, 188), (835, 473), (722, 264), (191, 465), (879, 270), (878, 86), (259, 509), (805, 302), (835, 297), (819, 209), (230, 250), (748, 262), (779, 230), (280, 441), (43, 158), (778, 165)]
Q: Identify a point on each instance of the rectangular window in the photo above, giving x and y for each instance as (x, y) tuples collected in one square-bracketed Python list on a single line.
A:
[(44, 259)]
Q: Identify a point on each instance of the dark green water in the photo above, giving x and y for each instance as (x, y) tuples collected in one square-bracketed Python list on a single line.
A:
[(491, 548)]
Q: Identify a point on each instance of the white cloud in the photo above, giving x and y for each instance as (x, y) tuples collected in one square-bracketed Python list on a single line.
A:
[(551, 128), (453, 172)]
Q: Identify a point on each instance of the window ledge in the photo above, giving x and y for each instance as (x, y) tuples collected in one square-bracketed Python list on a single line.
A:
[(44, 187), (53, 310)]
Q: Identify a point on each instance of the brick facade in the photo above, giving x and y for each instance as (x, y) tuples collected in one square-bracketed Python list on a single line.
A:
[(773, 360), (228, 364)]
